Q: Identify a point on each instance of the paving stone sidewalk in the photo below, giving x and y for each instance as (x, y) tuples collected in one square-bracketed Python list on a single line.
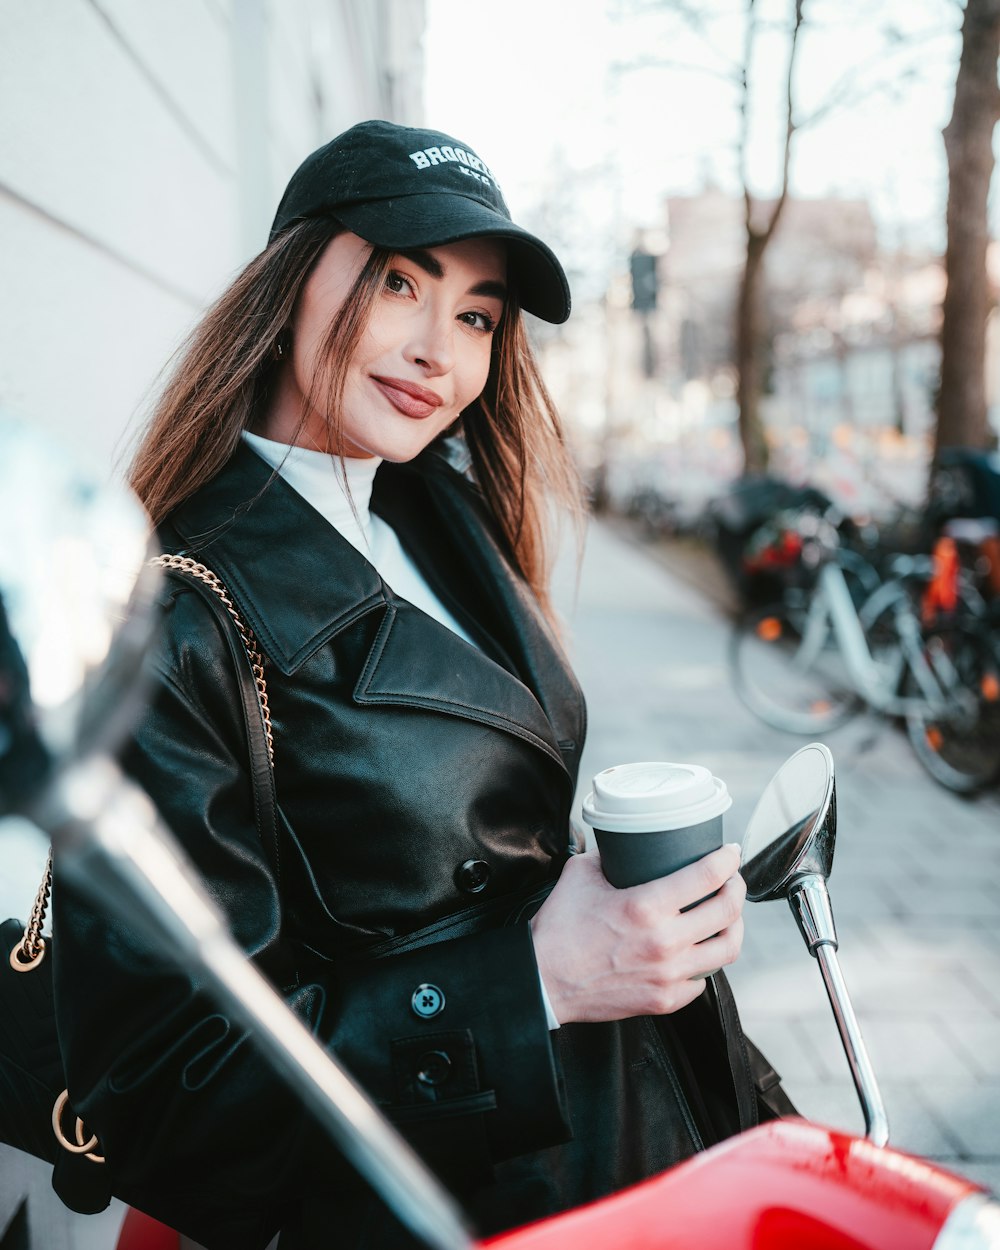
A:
[(915, 885)]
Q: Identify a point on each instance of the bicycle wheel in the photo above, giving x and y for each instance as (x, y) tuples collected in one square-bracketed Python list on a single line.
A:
[(788, 670), (959, 744)]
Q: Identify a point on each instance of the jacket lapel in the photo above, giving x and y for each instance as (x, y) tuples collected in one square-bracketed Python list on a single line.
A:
[(417, 662), (298, 583), (442, 521)]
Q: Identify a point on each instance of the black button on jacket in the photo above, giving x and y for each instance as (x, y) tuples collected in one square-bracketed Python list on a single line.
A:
[(410, 767)]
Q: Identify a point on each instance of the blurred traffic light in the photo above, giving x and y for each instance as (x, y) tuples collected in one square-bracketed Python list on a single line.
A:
[(642, 266)]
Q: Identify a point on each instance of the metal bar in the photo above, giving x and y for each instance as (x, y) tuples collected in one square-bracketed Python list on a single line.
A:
[(847, 628), (876, 1120)]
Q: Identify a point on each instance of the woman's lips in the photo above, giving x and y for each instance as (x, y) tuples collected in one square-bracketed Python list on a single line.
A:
[(409, 398)]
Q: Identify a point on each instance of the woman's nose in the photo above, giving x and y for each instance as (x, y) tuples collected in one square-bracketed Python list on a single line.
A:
[(431, 345)]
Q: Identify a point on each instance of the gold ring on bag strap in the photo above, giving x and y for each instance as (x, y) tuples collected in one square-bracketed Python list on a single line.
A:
[(83, 1145)]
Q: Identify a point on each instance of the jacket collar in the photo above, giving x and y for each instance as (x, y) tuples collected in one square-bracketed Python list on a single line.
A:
[(267, 544)]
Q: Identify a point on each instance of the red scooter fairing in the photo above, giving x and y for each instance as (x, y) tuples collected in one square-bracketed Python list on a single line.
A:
[(788, 1185)]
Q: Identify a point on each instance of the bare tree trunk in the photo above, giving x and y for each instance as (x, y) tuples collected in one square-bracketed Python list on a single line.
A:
[(749, 304), (968, 141), (748, 355)]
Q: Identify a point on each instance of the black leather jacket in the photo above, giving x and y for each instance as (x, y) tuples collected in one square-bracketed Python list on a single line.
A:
[(424, 791)]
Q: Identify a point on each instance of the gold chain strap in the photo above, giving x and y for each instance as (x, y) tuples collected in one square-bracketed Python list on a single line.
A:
[(30, 951), (27, 955), (184, 564)]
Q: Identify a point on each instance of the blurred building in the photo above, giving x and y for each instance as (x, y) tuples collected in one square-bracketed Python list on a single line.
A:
[(821, 252), (143, 149), (851, 352)]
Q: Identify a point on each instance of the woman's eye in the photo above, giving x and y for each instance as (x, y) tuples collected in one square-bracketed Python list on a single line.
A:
[(396, 283), (480, 321)]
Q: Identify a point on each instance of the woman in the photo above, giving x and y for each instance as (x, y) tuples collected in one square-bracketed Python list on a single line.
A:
[(541, 1037)]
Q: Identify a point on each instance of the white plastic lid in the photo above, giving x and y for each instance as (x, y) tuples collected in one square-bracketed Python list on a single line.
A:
[(646, 797)]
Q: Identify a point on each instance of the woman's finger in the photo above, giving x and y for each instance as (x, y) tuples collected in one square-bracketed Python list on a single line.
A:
[(687, 886), (718, 951), (716, 913)]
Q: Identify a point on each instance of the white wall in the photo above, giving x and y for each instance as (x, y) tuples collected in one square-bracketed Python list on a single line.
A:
[(143, 149)]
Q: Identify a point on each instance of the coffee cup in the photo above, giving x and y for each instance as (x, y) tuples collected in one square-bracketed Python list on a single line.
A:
[(652, 818)]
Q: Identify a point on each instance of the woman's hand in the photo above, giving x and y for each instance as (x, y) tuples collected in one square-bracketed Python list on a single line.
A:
[(606, 954)]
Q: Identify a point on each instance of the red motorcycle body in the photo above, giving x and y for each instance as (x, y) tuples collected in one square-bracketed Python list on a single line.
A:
[(788, 1185)]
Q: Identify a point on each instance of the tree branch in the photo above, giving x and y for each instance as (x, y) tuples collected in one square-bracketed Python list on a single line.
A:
[(698, 19), (847, 88), (743, 145), (790, 126), (730, 76)]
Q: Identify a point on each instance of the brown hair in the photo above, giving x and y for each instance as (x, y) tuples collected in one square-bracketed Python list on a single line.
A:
[(223, 373)]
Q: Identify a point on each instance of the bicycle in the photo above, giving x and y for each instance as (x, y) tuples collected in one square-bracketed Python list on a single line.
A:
[(809, 663)]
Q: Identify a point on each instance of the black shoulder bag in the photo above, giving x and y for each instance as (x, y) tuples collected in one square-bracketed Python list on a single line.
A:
[(35, 1111)]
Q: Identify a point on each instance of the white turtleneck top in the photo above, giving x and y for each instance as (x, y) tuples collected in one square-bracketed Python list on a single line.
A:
[(316, 476)]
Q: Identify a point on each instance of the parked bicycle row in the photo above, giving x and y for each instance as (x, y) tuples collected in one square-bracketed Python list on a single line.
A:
[(836, 620)]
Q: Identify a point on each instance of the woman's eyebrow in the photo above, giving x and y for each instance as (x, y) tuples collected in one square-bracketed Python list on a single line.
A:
[(496, 290), (430, 264)]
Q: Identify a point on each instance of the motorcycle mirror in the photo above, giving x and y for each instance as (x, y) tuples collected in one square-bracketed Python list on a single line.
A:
[(793, 828), (788, 853), (76, 611)]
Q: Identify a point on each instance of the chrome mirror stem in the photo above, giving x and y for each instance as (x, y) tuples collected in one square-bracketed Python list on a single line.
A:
[(810, 904), (809, 900)]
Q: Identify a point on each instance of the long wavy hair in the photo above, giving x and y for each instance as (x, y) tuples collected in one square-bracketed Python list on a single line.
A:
[(224, 372)]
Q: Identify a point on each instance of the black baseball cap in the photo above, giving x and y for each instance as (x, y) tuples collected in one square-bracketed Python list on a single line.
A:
[(399, 187)]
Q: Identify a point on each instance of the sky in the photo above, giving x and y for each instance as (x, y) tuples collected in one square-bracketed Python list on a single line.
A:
[(592, 111)]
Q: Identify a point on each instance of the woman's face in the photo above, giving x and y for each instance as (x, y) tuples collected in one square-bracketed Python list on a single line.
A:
[(423, 358)]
